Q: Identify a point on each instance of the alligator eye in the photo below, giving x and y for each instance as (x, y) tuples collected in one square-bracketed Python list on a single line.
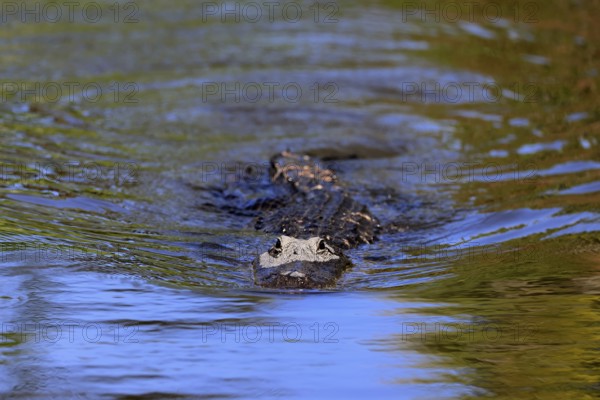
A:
[(322, 247), (275, 251)]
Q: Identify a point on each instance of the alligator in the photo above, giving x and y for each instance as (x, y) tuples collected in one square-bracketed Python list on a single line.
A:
[(315, 218), (317, 223)]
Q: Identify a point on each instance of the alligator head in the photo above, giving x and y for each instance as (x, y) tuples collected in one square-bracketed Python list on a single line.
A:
[(299, 263)]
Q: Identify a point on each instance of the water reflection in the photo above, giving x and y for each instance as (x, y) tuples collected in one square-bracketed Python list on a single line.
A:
[(479, 135)]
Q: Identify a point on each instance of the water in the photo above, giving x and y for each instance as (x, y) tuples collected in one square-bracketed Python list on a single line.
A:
[(480, 134)]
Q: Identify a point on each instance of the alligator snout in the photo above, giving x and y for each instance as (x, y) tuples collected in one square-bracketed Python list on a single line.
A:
[(297, 270), (300, 275)]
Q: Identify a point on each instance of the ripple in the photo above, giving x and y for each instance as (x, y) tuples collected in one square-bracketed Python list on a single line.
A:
[(76, 203), (585, 188), (570, 167), (539, 147)]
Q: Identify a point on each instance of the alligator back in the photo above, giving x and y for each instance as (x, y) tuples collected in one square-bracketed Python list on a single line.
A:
[(315, 205)]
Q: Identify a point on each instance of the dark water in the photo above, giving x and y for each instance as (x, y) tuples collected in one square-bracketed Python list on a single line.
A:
[(476, 125)]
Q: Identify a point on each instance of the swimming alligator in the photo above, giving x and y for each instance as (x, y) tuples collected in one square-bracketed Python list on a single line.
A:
[(314, 216), (317, 222)]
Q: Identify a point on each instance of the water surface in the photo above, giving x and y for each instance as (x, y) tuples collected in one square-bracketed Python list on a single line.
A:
[(478, 134)]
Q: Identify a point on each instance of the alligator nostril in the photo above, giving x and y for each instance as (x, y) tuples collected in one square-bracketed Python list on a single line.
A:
[(295, 252)]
